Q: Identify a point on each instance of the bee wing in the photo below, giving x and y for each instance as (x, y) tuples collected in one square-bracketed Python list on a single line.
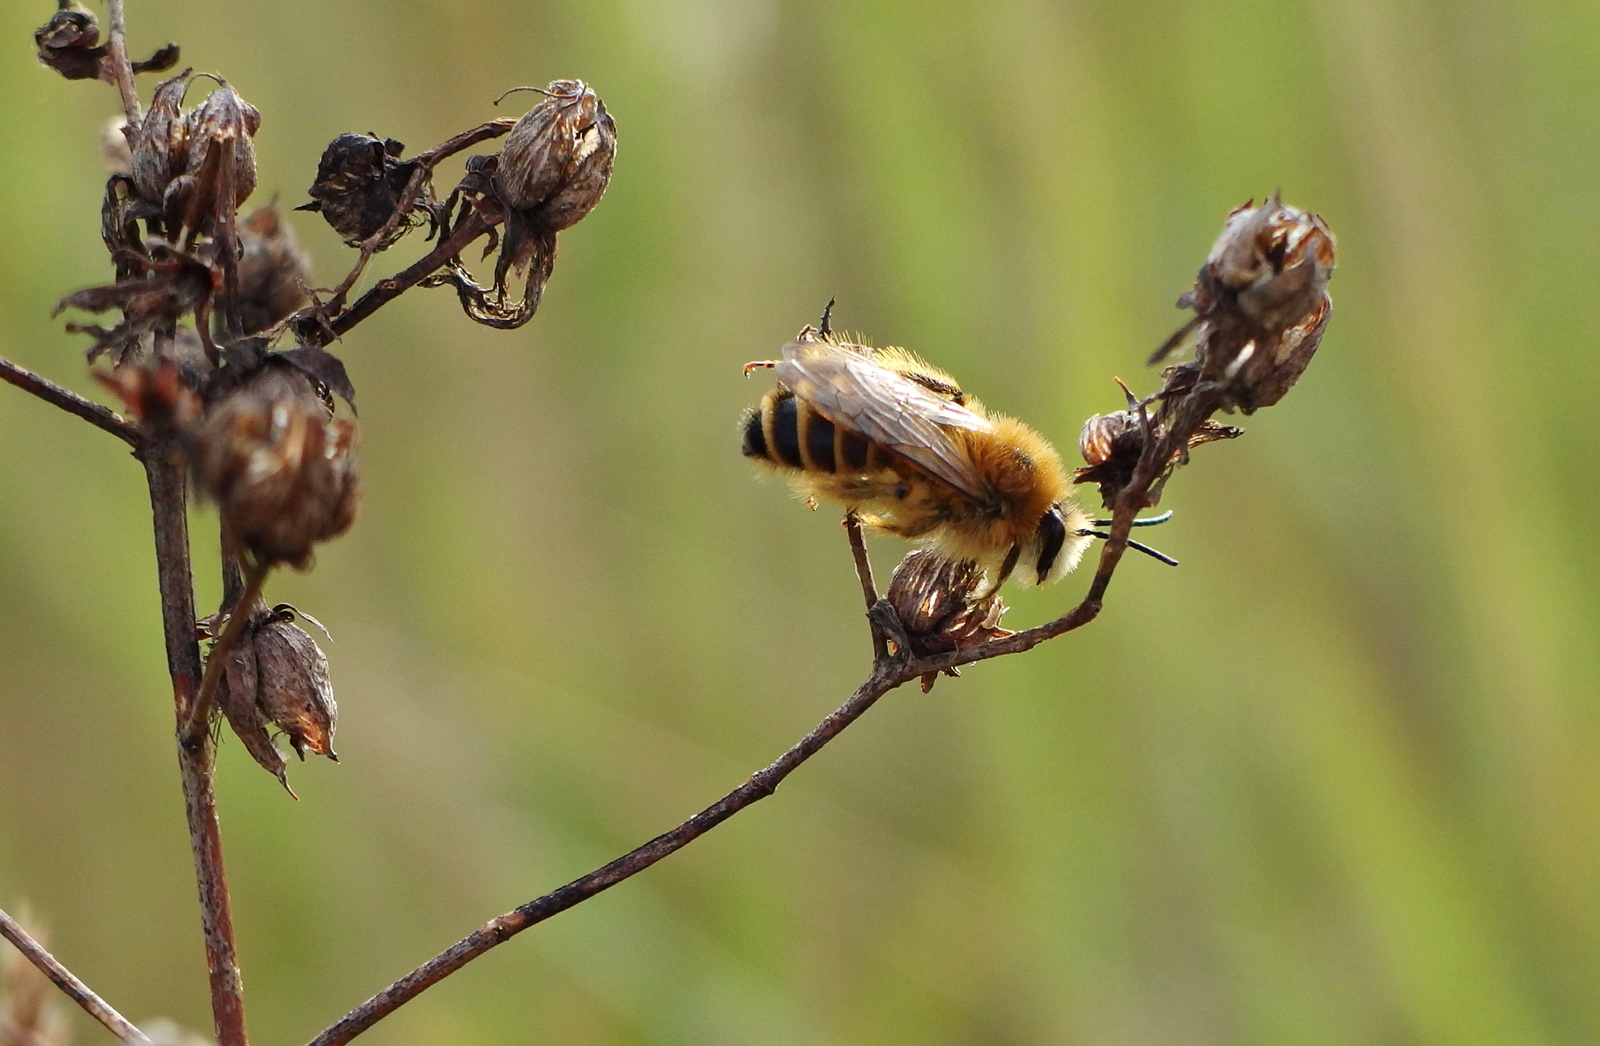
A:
[(850, 389)]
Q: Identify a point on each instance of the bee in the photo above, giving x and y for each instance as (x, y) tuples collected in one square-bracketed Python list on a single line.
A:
[(902, 446)]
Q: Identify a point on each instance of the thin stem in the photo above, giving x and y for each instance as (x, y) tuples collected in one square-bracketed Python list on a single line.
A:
[(869, 588), (100, 417), (386, 291), (197, 721), (885, 676), (63, 978), (165, 472), (117, 48)]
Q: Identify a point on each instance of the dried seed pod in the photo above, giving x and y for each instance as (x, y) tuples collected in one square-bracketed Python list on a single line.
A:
[(293, 690), (159, 145), (1113, 443), (273, 270), (219, 171), (557, 160), (360, 179), (237, 696), (280, 467), (1271, 263), (553, 169), (68, 42), (944, 605), (1260, 302)]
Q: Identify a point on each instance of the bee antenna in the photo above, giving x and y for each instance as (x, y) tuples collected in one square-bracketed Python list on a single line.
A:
[(1149, 521), (825, 325), (1146, 549)]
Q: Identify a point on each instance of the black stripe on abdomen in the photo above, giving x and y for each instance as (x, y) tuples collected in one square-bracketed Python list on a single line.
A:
[(852, 450), (785, 434), (819, 442)]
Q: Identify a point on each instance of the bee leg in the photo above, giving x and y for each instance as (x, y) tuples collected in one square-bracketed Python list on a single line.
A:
[(759, 365)]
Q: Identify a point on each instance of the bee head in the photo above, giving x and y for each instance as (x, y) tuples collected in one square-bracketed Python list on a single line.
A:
[(1055, 548)]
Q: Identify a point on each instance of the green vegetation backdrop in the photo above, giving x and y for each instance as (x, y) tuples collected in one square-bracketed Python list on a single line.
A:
[(1334, 780)]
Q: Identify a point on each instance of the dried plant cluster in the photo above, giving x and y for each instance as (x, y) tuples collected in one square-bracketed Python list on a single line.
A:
[(219, 348)]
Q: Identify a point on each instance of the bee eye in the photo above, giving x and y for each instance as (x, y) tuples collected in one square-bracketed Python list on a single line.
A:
[(1052, 535)]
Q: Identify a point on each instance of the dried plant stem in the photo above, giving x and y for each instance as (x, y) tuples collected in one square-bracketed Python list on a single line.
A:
[(63, 978), (165, 473), (197, 721), (387, 290), (869, 589), (117, 47), (885, 676), (100, 417)]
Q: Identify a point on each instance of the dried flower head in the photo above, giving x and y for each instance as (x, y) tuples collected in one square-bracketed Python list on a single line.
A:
[(553, 169), (70, 44), (360, 179), (276, 677), (1271, 263), (293, 689), (273, 270), (280, 466), (219, 171), (944, 605), (1260, 302), (557, 160), (1112, 444), (159, 145)]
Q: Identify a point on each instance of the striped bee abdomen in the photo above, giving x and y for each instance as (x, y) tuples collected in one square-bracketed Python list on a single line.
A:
[(786, 433)]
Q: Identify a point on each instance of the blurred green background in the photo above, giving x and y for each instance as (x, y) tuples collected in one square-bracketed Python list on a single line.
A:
[(1334, 780)]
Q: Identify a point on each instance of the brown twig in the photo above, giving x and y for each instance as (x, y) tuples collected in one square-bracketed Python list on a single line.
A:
[(100, 417), (64, 979), (118, 50), (387, 290), (885, 676), (869, 589), (165, 473), (197, 721), (888, 672)]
